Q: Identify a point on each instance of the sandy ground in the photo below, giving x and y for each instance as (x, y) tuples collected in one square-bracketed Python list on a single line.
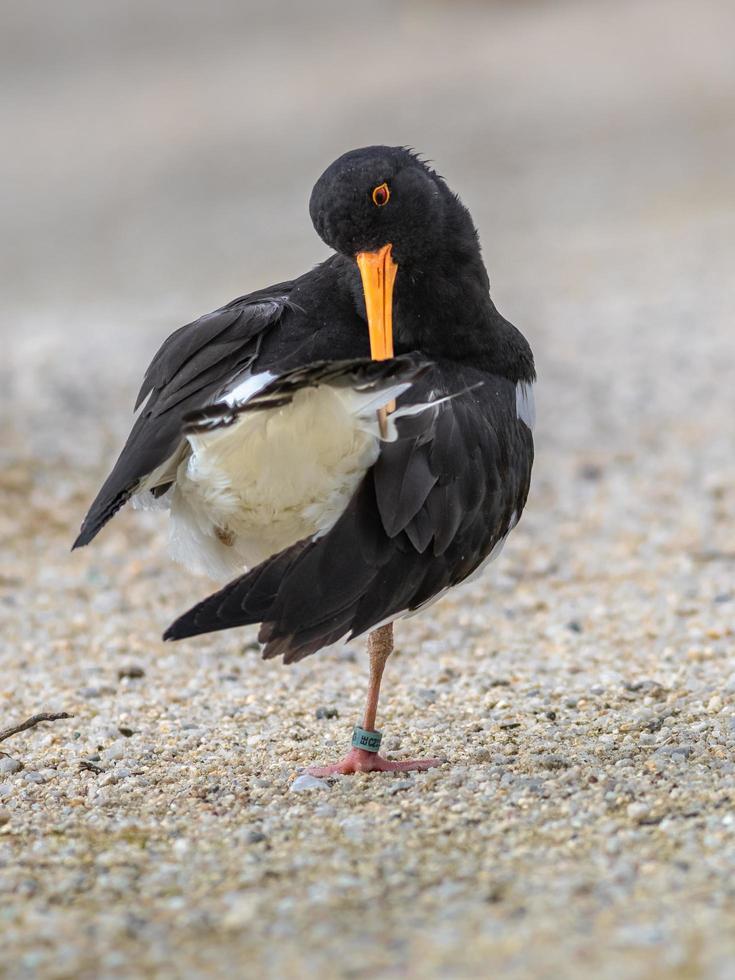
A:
[(583, 691)]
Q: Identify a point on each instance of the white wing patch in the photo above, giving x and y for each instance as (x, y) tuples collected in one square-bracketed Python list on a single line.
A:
[(526, 403), (243, 391), (272, 477)]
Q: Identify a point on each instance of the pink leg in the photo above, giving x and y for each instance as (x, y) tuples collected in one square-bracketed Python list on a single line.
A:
[(380, 647)]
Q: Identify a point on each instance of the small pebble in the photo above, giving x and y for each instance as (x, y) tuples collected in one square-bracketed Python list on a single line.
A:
[(325, 810), (34, 777), (399, 785), (323, 712), (9, 765), (306, 783), (637, 811), (117, 750)]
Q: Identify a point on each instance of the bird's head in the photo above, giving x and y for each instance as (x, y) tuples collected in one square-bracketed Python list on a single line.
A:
[(384, 208), (376, 196)]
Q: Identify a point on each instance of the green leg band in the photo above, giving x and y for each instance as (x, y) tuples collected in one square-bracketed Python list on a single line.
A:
[(369, 741)]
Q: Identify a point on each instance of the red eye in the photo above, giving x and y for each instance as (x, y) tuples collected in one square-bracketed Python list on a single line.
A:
[(381, 195)]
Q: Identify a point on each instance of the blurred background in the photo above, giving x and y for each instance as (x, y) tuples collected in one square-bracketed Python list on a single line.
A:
[(159, 157), (157, 161)]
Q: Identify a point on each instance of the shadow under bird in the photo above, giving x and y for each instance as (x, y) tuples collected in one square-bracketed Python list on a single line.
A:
[(346, 446)]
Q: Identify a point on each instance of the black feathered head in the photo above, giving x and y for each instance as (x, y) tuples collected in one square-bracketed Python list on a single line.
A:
[(380, 195)]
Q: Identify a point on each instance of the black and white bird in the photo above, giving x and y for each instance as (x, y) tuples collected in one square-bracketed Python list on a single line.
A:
[(344, 447)]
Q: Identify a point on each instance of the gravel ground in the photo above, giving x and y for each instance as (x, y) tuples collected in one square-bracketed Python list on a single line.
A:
[(583, 691)]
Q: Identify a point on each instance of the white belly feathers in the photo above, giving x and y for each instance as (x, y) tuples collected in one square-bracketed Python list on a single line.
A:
[(271, 477)]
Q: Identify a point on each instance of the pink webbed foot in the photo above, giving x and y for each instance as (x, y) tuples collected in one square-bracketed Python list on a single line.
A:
[(358, 760)]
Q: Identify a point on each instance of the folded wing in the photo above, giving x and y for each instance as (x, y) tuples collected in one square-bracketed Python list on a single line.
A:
[(438, 501), (191, 369)]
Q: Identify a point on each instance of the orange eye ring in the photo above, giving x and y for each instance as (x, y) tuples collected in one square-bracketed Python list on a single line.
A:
[(381, 195)]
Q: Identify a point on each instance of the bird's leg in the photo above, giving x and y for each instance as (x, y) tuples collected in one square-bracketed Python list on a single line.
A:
[(380, 647)]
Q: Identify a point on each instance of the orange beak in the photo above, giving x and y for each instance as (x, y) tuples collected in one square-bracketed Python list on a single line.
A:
[(378, 271)]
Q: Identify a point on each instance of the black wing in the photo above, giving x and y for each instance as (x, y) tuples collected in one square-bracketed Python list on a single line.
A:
[(360, 373), (428, 513), (190, 370)]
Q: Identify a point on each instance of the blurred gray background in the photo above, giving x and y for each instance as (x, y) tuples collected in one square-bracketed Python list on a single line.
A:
[(158, 159)]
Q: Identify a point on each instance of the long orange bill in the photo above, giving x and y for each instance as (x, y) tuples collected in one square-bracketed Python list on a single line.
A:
[(378, 271)]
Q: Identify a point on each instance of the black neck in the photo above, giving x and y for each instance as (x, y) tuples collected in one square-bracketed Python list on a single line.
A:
[(444, 310)]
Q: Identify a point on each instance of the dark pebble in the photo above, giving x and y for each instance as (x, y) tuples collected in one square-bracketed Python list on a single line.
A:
[(86, 766), (327, 713)]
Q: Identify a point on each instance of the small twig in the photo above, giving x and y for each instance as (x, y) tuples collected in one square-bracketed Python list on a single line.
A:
[(32, 722), (86, 766)]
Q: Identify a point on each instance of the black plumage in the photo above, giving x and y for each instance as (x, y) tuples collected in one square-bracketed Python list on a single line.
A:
[(441, 496)]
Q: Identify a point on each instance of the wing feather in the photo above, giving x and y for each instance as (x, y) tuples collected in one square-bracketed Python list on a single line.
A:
[(190, 369)]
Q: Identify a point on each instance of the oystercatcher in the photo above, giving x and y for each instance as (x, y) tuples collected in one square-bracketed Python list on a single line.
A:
[(345, 446)]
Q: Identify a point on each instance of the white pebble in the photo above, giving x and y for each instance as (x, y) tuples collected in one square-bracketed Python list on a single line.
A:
[(307, 782), (9, 765), (34, 777)]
